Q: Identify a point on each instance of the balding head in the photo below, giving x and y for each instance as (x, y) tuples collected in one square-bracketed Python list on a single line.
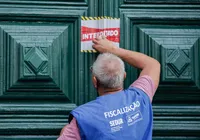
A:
[(109, 70)]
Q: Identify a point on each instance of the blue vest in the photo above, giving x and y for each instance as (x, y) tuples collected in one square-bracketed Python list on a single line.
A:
[(124, 115)]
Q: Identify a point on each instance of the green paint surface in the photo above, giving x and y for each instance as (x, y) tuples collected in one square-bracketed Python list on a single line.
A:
[(43, 74)]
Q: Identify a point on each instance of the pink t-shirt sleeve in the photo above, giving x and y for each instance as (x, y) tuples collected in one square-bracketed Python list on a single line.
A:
[(70, 131), (146, 84)]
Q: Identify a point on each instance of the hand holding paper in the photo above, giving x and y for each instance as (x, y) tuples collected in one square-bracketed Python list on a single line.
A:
[(103, 45)]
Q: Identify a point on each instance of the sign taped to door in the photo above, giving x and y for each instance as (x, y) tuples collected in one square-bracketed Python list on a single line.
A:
[(92, 27)]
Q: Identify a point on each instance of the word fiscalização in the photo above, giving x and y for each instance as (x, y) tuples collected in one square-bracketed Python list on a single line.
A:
[(126, 109)]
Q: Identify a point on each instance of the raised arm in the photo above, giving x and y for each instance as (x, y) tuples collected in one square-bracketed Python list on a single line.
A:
[(148, 65)]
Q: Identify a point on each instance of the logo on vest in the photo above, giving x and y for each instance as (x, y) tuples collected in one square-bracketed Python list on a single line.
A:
[(133, 118), (116, 125)]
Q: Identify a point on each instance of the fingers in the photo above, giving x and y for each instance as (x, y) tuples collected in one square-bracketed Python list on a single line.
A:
[(95, 41), (103, 37), (99, 38), (95, 46)]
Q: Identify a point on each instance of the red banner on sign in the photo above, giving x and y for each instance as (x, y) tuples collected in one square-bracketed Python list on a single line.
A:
[(112, 34)]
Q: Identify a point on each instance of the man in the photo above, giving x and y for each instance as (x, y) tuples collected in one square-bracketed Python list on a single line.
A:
[(117, 114)]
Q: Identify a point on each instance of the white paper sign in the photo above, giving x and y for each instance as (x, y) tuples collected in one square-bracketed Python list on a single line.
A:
[(98, 26)]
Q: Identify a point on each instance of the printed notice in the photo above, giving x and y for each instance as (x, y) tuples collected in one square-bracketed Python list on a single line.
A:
[(98, 26)]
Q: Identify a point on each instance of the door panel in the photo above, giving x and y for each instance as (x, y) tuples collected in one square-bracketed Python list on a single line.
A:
[(168, 31), (43, 74), (172, 37), (161, 1)]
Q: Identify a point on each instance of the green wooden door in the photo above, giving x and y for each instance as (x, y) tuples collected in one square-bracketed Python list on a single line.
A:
[(43, 74)]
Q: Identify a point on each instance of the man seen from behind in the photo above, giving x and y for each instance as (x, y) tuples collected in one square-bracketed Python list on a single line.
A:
[(118, 113)]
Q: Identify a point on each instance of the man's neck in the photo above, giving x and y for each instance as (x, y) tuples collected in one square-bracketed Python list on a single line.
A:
[(103, 91)]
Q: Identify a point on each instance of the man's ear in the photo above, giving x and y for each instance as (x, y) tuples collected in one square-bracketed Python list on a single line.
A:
[(124, 75), (94, 81)]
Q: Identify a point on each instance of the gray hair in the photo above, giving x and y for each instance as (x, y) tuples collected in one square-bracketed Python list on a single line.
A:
[(109, 70)]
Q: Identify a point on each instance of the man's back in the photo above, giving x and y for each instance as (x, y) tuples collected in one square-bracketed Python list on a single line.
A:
[(123, 115)]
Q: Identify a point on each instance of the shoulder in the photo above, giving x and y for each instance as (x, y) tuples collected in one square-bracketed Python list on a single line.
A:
[(136, 91), (146, 84)]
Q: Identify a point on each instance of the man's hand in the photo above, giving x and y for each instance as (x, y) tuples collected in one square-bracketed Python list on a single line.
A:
[(102, 45)]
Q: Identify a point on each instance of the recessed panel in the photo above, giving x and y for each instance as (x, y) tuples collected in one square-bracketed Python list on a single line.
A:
[(174, 47), (33, 55)]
